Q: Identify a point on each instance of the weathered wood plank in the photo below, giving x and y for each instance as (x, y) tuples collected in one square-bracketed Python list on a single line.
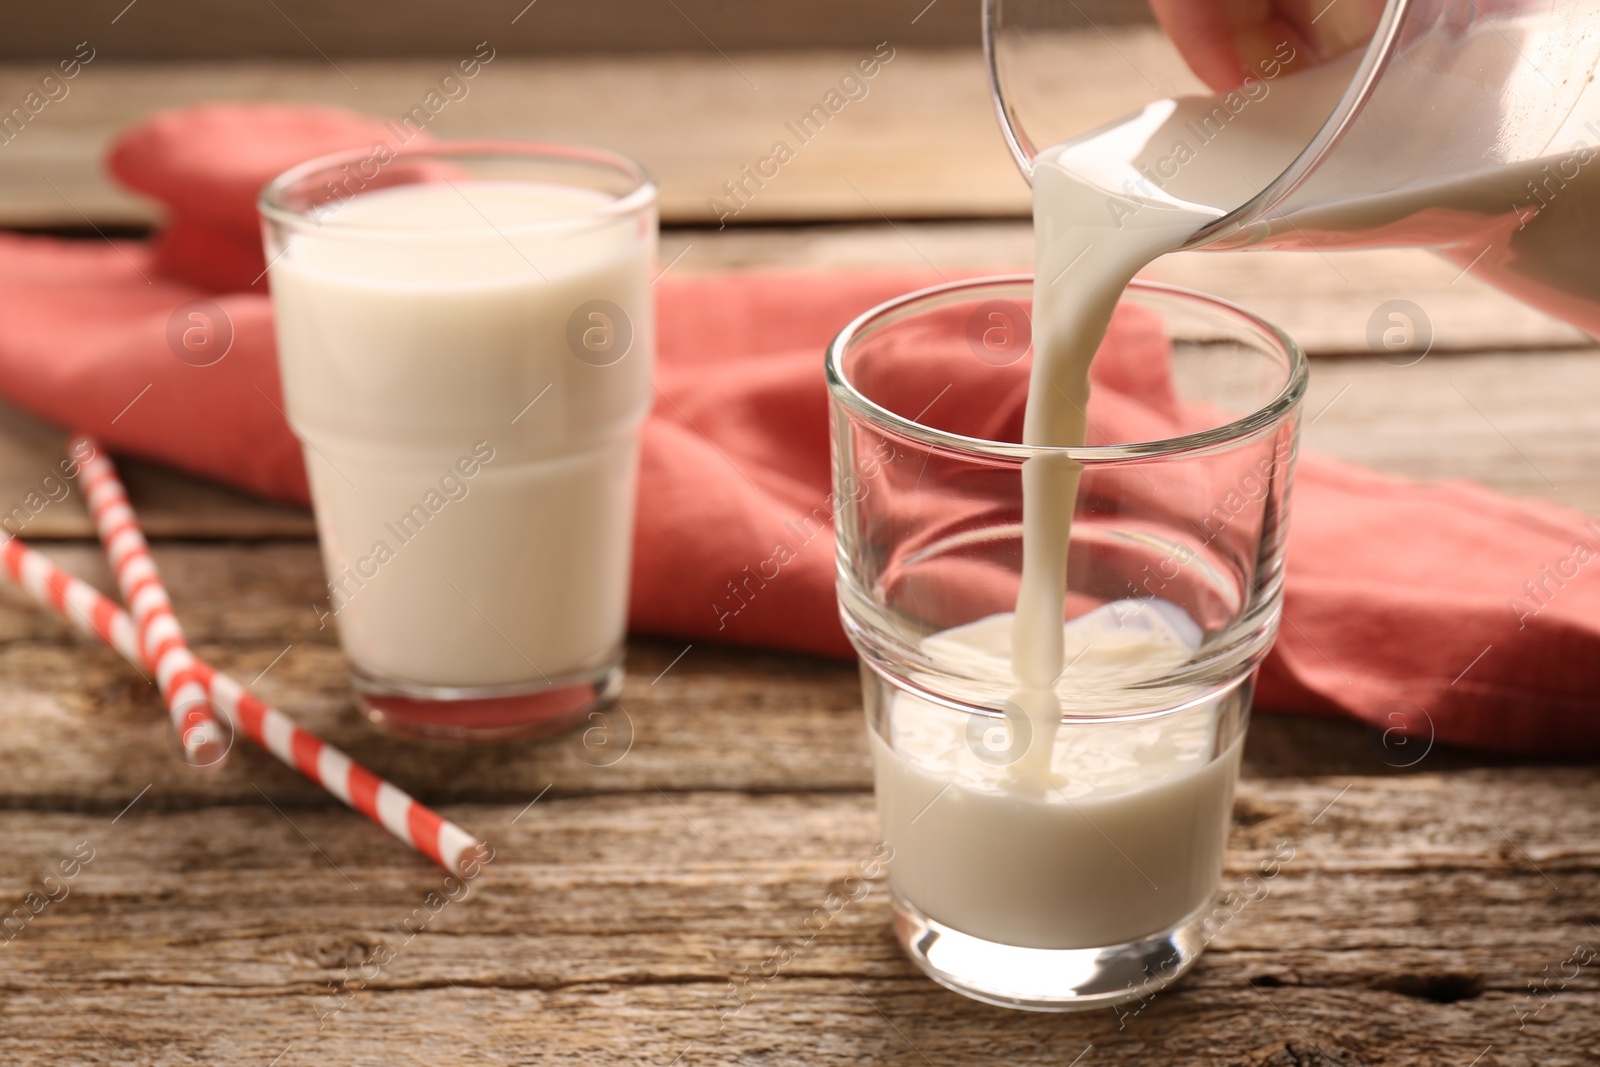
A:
[(921, 142), (194, 29), (715, 720), (84, 731), (918, 139), (1404, 930), (815, 1021), (37, 503)]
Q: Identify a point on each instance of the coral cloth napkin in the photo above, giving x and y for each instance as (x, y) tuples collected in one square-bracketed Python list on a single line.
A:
[(1440, 610)]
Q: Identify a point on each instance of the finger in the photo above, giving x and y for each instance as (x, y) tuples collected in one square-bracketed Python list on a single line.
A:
[(1225, 41), (1332, 27)]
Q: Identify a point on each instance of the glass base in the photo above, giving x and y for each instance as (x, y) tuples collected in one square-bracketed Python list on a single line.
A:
[(502, 713), (1046, 979)]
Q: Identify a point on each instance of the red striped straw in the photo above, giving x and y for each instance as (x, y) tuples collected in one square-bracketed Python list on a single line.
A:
[(437, 838), (202, 740)]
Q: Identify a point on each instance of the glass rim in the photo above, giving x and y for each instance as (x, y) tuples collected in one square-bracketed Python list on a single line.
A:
[(1235, 431), (272, 206)]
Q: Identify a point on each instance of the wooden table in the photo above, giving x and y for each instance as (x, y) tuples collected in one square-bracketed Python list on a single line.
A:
[(233, 919)]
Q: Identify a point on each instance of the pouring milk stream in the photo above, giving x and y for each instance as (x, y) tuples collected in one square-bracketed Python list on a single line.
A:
[(1098, 220)]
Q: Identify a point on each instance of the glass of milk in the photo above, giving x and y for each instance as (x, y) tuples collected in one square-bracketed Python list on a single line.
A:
[(1060, 847), (465, 341)]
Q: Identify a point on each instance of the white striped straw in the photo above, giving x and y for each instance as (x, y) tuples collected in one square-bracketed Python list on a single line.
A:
[(202, 740), (390, 807)]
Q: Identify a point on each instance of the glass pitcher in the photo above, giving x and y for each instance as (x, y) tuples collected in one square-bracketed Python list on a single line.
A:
[(1468, 126)]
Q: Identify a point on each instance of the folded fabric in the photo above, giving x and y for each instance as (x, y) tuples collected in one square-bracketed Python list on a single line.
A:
[(1444, 611)]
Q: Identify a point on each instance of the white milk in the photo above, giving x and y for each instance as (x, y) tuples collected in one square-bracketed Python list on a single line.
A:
[(470, 540), (1099, 218), (1122, 838)]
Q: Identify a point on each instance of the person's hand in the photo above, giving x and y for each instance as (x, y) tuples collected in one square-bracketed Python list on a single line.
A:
[(1225, 41)]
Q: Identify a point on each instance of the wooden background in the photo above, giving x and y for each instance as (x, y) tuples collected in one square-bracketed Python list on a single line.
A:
[(295, 29), (1428, 887)]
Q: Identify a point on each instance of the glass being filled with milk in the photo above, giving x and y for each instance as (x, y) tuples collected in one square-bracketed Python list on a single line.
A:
[(465, 341), (1057, 695)]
